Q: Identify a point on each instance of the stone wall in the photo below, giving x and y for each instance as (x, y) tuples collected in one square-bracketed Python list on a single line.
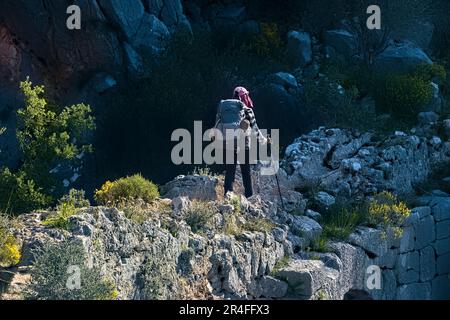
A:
[(415, 266)]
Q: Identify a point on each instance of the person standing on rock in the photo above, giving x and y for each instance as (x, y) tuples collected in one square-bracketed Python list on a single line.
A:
[(233, 114)]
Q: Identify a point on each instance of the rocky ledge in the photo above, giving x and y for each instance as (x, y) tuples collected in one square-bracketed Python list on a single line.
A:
[(256, 248)]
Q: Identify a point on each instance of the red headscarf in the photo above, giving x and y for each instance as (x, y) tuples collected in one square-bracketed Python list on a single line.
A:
[(242, 94)]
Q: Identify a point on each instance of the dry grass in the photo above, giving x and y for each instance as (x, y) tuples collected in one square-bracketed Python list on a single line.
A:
[(199, 289), (141, 211), (220, 188)]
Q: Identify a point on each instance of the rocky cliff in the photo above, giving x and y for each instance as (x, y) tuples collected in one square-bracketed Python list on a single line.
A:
[(255, 248)]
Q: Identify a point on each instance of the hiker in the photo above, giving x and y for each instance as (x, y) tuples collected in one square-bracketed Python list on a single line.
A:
[(237, 113)]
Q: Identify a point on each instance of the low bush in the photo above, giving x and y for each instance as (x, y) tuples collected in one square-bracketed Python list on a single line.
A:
[(386, 211), (267, 43), (320, 244), (60, 218), (75, 197), (67, 207), (18, 194), (126, 189), (334, 105), (280, 264), (9, 247), (382, 211), (60, 273), (199, 215), (404, 96), (341, 221), (432, 72)]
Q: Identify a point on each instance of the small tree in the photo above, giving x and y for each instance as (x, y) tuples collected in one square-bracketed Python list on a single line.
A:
[(51, 275), (49, 138)]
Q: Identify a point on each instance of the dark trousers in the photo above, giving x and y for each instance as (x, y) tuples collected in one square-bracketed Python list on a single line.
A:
[(230, 173)]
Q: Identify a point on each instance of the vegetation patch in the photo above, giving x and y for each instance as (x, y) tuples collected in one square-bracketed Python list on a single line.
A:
[(320, 244), (258, 225), (404, 96), (383, 210), (60, 273), (341, 221), (280, 264), (200, 215), (160, 279), (126, 189), (49, 137), (9, 246), (68, 206), (387, 211)]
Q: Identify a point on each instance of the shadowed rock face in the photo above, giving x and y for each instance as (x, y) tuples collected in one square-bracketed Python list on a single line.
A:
[(54, 51), (114, 40), (10, 58), (39, 30)]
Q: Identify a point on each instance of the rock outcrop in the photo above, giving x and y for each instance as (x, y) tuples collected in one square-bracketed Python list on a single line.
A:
[(249, 264), (401, 57), (345, 163), (261, 247)]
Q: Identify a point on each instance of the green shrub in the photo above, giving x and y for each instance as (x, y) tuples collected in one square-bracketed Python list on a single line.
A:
[(126, 189), (335, 106), (320, 244), (51, 275), (199, 215), (60, 219), (235, 201), (267, 43), (76, 198), (48, 136), (280, 264), (9, 246), (387, 211), (67, 207), (404, 96), (349, 75), (429, 72), (19, 194), (342, 220)]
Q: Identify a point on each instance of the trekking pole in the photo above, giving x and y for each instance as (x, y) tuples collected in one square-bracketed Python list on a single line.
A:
[(279, 191), (276, 175)]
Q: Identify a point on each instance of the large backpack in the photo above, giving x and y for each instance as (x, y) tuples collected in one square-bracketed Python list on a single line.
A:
[(229, 115)]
